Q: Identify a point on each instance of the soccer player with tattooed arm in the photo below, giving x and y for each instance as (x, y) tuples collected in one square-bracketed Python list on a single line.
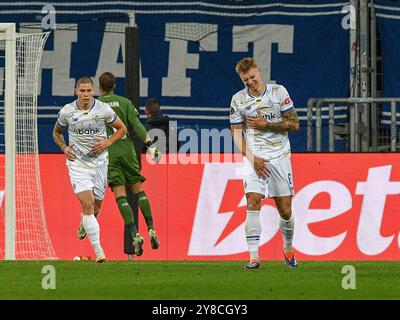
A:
[(87, 158), (261, 115)]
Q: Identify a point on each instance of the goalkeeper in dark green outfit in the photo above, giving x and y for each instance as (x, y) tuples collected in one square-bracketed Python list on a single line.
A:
[(123, 168)]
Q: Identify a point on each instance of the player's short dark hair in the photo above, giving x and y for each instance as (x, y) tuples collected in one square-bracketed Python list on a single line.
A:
[(152, 106), (83, 80), (245, 65), (107, 81)]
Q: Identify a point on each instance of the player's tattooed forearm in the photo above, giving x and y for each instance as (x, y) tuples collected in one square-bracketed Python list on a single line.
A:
[(290, 123), (58, 138), (277, 127)]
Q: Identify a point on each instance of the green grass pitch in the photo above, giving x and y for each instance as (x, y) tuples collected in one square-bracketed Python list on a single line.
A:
[(208, 280)]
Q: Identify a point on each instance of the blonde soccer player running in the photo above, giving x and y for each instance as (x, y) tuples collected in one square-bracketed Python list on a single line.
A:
[(87, 158), (261, 116)]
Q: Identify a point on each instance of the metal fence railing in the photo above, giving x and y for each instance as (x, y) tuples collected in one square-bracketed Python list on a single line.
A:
[(361, 129)]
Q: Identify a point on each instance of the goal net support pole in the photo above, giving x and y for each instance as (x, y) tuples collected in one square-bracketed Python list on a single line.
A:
[(132, 92)]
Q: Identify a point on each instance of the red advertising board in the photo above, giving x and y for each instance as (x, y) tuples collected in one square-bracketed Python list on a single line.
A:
[(346, 207)]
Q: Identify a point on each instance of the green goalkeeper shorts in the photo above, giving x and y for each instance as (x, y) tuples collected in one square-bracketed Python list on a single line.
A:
[(124, 171)]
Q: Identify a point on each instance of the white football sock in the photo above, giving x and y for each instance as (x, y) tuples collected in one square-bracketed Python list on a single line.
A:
[(92, 229), (253, 232), (287, 228)]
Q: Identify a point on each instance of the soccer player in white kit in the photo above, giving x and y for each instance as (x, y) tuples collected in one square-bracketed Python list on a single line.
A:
[(87, 157), (264, 114)]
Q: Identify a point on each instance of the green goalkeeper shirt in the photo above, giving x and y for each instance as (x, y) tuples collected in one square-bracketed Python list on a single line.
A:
[(128, 114)]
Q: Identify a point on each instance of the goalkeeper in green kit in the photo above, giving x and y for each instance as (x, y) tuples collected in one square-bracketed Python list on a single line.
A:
[(123, 168)]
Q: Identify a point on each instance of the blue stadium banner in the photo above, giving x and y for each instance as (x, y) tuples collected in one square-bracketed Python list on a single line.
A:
[(388, 18), (189, 50)]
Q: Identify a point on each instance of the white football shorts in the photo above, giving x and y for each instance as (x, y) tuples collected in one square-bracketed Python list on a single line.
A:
[(278, 184), (94, 179)]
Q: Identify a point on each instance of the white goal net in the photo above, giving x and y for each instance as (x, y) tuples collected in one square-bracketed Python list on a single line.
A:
[(23, 228)]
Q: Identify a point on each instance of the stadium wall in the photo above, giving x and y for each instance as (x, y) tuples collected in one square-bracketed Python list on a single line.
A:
[(346, 208)]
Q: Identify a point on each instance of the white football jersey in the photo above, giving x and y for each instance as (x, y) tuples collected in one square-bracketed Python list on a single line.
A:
[(85, 129), (272, 103)]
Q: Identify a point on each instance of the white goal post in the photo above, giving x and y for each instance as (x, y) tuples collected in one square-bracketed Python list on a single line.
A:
[(8, 34), (25, 231)]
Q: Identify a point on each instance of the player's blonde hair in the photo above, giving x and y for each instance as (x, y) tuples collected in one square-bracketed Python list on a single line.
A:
[(245, 65)]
